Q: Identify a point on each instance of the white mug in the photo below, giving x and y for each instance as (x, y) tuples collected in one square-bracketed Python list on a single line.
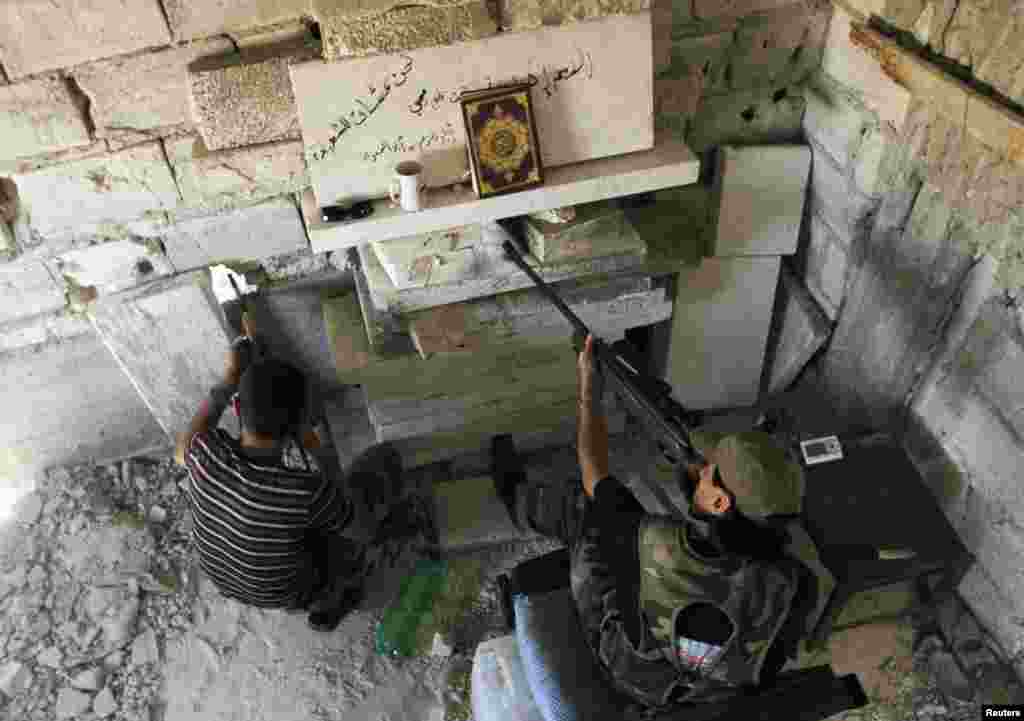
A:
[(406, 184)]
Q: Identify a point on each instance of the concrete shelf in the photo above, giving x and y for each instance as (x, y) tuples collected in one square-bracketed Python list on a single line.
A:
[(669, 164)]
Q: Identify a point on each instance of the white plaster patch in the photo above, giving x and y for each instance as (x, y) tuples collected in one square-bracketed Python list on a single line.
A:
[(112, 267)]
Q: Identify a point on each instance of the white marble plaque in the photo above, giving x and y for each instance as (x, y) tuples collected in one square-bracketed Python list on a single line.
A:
[(592, 96)]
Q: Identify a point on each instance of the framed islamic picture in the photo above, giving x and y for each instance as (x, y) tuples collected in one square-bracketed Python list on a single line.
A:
[(504, 153)]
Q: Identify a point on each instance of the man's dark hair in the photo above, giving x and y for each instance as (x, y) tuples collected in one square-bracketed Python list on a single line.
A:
[(273, 398)]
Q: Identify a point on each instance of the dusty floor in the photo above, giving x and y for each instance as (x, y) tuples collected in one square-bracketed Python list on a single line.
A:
[(103, 614)]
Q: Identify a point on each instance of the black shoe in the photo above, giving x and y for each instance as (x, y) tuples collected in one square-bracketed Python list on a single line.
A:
[(507, 471), (378, 473), (329, 619)]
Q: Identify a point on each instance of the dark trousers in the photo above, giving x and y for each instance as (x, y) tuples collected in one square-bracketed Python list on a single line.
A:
[(561, 510)]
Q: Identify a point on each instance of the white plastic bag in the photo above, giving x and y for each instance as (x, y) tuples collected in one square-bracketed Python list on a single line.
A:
[(500, 691)]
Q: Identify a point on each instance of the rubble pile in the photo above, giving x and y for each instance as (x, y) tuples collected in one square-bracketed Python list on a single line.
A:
[(95, 578)]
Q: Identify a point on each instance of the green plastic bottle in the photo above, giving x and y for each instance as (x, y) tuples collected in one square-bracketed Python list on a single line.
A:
[(396, 633)]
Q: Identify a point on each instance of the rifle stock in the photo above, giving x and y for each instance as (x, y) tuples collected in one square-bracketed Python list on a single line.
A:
[(645, 397)]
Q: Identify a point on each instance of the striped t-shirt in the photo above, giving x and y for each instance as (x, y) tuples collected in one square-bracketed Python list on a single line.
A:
[(253, 519)]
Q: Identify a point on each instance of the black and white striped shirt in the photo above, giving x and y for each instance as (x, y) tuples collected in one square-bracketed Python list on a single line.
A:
[(254, 520)]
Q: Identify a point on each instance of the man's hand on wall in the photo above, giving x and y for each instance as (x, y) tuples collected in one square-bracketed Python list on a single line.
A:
[(241, 353)]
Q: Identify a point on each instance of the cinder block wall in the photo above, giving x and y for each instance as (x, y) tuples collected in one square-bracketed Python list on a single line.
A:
[(914, 243), (146, 139), (119, 166)]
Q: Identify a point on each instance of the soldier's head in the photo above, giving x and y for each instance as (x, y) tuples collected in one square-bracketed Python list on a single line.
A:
[(710, 494)]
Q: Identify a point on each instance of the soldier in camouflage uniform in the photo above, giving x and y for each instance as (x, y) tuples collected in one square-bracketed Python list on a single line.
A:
[(692, 610)]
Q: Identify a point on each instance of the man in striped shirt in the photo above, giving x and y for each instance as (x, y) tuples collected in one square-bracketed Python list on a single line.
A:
[(272, 525)]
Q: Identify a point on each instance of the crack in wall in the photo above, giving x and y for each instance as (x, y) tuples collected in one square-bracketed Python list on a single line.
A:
[(170, 167), (945, 30), (83, 102)]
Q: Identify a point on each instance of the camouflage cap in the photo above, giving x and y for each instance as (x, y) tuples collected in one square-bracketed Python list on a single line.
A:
[(764, 480)]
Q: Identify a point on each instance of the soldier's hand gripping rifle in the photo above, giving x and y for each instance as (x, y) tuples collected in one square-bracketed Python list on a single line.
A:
[(645, 397)]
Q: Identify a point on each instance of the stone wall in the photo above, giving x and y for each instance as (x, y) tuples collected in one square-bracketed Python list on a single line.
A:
[(162, 136), (914, 244)]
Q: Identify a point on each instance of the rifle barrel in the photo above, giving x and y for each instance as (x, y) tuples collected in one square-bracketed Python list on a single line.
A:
[(578, 325)]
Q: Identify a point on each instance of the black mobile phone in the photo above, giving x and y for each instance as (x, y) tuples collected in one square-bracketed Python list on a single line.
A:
[(341, 213)]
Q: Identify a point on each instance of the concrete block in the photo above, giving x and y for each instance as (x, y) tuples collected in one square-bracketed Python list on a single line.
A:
[(834, 121), (720, 324), (804, 329), (493, 273), (710, 9), (779, 47), (144, 94), (869, 171), (599, 229), (943, 93), (703, 58), (608, 311), (45, 36), (987, 450), (390, 108), (996, 611), (390, 27), (234, 178), (1002, 383), (40, 329), (451, 413), (247, 99), (518, 15), (827, 262), (662, 15), (847, 60), (111, 267), (170, 339), (762, 191), (750, 117), (675, 227), (253, 233), (468, 376), (834, 197), (98, 189), (39, 116), (27, 289), (346, 337), (437, 258), (1000, 67), (534, 430), (190, 19), (470, 515), (8, 246), (988, 528), (996, 127)]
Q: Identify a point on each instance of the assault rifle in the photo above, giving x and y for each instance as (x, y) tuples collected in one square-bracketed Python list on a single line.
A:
[(645, 397)]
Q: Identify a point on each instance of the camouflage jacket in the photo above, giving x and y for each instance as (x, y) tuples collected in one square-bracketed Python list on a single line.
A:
[(654, 669)]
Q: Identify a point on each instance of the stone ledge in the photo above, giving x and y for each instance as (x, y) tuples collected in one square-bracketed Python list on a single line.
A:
[(669, 164)]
